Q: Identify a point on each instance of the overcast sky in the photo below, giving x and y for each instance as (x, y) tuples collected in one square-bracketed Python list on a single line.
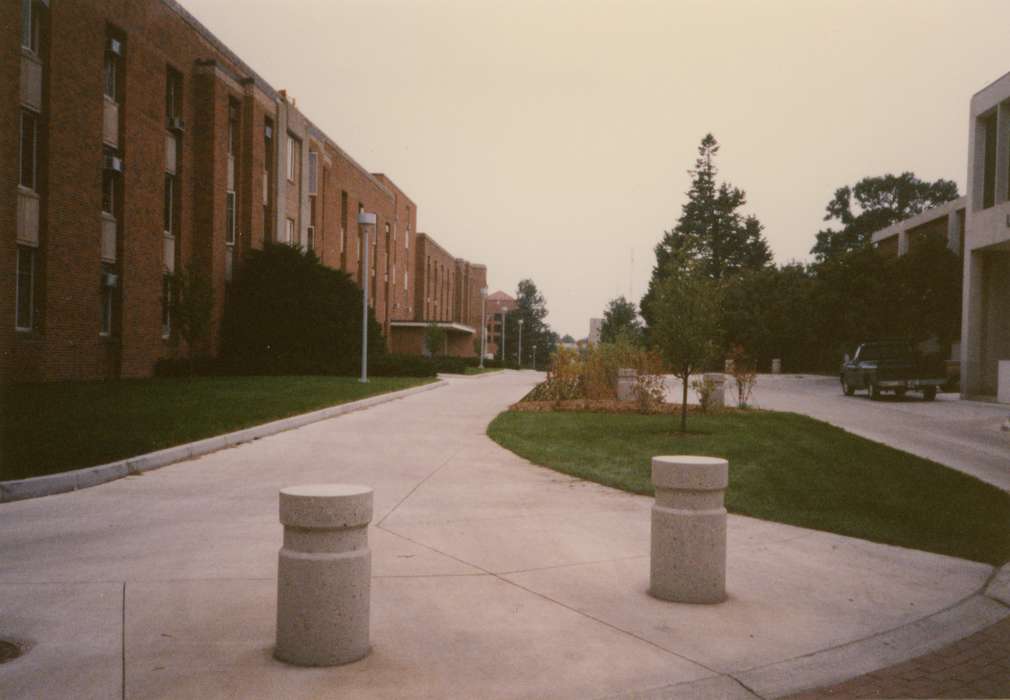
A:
[(551, 139)]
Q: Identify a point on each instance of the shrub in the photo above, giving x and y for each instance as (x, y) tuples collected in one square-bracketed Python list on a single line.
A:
[(744, 374), (705, 388), (401, 366), (199, 366), (286, 313)]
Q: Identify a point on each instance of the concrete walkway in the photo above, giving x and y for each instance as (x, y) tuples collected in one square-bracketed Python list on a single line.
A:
[(492, 578)]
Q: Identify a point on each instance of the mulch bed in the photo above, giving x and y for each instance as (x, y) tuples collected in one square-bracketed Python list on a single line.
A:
[(607, 406)]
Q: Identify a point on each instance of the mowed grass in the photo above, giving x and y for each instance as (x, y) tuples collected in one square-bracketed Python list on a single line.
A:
[(55, 427), (783, 467)]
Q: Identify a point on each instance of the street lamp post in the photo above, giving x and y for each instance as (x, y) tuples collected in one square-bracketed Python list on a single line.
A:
[(483, 325), (365, 220), (520, 343), (503, 334), (534, 356)]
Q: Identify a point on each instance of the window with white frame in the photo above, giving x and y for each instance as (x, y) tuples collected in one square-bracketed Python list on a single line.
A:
[(111, 82), (24, 301), (168, 215), (290, 231), (30, 25), (294, 154)]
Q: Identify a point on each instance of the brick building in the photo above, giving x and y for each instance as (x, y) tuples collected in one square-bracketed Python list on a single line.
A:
[(138, 144)]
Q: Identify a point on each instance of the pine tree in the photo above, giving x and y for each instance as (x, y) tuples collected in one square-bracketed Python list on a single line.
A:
[(711, 231)]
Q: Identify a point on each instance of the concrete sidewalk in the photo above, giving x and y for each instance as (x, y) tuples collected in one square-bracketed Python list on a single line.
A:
[(492, 578)]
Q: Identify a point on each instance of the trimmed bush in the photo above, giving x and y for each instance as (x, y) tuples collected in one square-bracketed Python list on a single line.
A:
[(401, 366)]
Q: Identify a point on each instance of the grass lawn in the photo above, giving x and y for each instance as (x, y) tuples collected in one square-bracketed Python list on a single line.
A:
[(55, 427), (783, 467)]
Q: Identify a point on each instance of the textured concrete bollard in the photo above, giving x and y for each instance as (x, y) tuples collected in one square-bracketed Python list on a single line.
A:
[(689, 529), (728, 366), (718, 398), (324, 575), (776, 366), (626, 379)]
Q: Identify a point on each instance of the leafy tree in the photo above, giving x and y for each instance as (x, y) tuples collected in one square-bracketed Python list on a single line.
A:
[(435, 339), (531, 307), (566, 338), (927, 301), (287, 313), (768, 312), (686, 330), (620, 320), (711, 231), (191, 306), (875, 203)]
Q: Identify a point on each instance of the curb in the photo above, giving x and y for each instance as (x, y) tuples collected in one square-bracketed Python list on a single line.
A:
[(38, 486), (482, 375)]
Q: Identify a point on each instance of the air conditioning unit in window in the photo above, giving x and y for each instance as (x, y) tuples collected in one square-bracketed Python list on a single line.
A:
[(114, 46), (176, 124), (113, 163), (110, 280)]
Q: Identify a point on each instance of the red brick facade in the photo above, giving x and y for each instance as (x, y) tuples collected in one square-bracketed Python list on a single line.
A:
[(248, 168)]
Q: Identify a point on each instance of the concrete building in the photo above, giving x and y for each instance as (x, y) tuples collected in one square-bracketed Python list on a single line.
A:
[(595, 330), (985, 324), (139, 144), (977, 227)]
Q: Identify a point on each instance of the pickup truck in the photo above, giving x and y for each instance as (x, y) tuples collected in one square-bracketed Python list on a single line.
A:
[(893, 365)]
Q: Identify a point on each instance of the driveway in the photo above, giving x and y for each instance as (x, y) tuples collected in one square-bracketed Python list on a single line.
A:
[(964, 435), (492, 578)]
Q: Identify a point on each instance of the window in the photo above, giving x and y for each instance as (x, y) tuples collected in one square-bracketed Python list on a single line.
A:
[(169, 210), (30, 25), (173, 94), (988, 128), (293, 157), (111, 76), (290, 232), (166, 306), (229, 221), (343, 221), (313, 175), (29, 148), (268, 171), (109, 192), (25, 289), (233, 115)]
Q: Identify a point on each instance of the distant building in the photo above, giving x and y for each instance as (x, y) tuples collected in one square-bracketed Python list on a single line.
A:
[(499, 305), (595, 328)]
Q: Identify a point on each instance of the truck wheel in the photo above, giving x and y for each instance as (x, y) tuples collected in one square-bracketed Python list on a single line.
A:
[(846, 388), (929, 393), (874, 392)]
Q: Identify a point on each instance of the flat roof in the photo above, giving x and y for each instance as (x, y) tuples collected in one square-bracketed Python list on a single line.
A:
[(447, 325), (920, 219)]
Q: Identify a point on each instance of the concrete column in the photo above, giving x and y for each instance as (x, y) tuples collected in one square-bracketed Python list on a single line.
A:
[(324, 575), (1002, 152), (902, 242), (688, 562), (626, 380), (776, 366), (719, 391), (954, 232)]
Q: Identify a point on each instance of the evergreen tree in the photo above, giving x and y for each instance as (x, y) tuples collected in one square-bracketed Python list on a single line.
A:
[(620, 319), (531, 307), (711, 232)]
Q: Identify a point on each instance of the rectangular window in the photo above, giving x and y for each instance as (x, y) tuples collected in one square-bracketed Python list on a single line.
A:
[(111, 76), (233, 115), (28, 153), (168, 215), (268, 173), (106, 302), (29, 26), (293, 156), (290, 231), (25, 289), (343, 221), (173, 94), (229, 219), (166, 306), (989, 164), (313, 174), (109, 192)]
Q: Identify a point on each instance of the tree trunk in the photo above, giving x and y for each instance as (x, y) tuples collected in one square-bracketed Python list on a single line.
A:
[(683, 404)]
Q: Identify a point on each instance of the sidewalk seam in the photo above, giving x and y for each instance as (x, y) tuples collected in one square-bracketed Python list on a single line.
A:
[(77, 479)]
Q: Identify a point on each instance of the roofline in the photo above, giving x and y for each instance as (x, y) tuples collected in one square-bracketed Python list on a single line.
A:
[(919, 219), (989, 85), (447, 325)]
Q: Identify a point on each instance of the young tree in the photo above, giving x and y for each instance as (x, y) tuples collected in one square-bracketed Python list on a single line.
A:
[(191, 305), (435, 339), (711, 230), (620, 319), (686, 331), (879, 202)]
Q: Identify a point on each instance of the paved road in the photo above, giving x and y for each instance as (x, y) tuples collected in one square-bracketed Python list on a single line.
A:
[(964, 435), (491, 578)]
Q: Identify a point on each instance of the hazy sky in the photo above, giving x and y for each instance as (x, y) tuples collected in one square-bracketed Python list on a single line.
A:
[(551, 139)]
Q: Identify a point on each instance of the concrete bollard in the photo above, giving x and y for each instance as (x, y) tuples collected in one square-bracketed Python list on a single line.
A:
[(324, 575), (718, 399), (626, 380), (688, 563), (776, 366), (729, 365)]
